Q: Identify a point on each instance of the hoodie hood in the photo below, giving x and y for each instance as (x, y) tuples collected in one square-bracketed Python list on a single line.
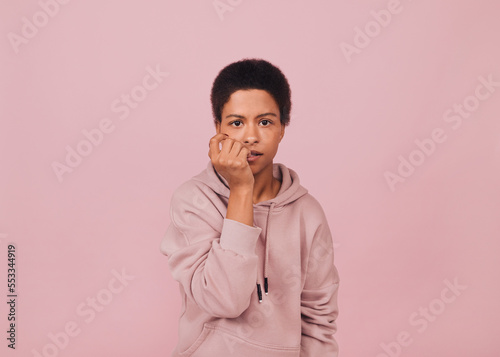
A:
[(290, 191)]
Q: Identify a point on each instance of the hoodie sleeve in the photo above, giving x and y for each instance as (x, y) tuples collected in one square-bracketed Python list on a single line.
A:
[(319, 307), (216, 267)]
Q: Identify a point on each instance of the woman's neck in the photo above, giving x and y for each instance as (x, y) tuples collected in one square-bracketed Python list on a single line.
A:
[(266, 186)]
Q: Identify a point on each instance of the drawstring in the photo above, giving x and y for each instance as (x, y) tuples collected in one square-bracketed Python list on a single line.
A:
[(266, 287), (259, 292), (266, 260)]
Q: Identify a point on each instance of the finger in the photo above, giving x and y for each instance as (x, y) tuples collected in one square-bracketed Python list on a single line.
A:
[(214, 143), (243, 154), (227, 144), (235, 149), (245, 149)]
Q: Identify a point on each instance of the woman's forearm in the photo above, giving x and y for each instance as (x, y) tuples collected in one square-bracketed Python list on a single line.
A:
[(240, 205)]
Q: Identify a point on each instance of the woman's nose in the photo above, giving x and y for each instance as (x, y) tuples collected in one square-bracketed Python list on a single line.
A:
[(251, 134)]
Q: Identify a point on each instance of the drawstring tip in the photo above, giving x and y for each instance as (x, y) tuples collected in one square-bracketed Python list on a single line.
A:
[(265, 286), (259, 292)]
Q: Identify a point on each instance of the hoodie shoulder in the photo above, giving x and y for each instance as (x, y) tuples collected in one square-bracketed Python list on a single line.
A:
[(191, 194), (190, 187), (313, 209), (196, 208)]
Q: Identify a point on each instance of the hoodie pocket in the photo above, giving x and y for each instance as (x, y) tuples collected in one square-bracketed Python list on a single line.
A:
[(201, 338), (216, 341)]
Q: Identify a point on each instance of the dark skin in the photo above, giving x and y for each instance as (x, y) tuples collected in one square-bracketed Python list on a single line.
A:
[(250, 121)]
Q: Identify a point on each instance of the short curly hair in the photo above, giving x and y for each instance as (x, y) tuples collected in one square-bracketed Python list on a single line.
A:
[(251, 73)]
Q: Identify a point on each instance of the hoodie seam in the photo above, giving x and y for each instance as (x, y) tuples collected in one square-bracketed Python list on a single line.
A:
[(323, 287), (253, 342), (172, 220)]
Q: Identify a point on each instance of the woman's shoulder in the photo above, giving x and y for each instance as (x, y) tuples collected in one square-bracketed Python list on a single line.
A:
[(192, 192), (310, 202), (311, 208)]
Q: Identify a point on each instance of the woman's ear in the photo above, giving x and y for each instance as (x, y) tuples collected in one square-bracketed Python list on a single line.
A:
[(282, 131), (217, 127)]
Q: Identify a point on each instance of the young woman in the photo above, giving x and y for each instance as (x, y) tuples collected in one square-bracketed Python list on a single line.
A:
[(250, 247)]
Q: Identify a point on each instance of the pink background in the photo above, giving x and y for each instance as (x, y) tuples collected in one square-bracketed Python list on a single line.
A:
[(353, 118)]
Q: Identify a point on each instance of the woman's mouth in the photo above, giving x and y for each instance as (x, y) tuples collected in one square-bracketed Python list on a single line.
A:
[(254, 155)]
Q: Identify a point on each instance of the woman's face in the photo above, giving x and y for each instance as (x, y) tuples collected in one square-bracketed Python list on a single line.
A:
[(253, 117)]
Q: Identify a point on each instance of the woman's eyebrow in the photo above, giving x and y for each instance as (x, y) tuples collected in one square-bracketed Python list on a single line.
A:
[(243, 117)]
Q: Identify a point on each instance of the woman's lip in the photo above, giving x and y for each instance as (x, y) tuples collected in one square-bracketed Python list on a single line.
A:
[(253, 158)]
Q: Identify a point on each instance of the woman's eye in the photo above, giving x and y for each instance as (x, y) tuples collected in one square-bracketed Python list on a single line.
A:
[(265, 122)]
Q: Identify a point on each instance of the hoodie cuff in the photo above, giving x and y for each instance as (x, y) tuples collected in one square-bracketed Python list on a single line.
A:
[(239, 237)]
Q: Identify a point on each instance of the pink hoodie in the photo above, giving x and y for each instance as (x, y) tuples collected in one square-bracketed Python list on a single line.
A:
[(222, 264)]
